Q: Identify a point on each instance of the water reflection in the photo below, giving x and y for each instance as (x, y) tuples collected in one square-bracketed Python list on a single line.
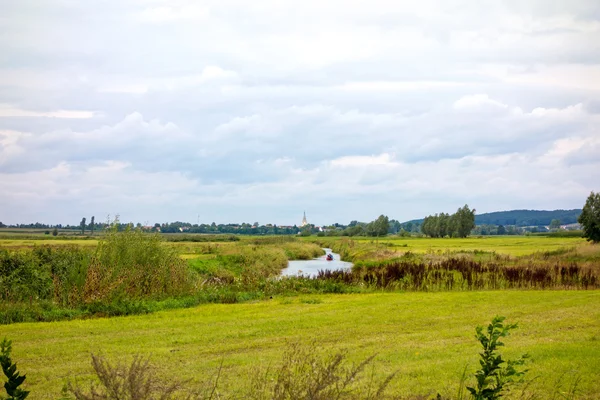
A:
[(312, 267)]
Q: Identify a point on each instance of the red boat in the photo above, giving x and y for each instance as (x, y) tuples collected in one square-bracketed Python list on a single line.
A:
[(329, 257)]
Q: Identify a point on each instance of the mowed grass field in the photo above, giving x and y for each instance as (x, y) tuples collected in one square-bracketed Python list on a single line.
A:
[(427, 337)]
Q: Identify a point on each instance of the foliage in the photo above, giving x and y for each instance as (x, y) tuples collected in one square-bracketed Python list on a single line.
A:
[(135, 382), (493, 379), (200, 238), (306, 372), (132, 264), (127, 264), (590, 218), (15, 379), (458, 224), (379, 227)]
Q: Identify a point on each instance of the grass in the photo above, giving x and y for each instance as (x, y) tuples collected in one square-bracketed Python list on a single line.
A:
[(507, 245), (429, 337)]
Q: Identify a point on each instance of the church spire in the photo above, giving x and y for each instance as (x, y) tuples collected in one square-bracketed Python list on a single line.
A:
[(304, 221)]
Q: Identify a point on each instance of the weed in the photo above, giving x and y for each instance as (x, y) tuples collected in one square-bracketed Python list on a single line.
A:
[(493, 379), (307, 373), (15, 379), (135, 382)]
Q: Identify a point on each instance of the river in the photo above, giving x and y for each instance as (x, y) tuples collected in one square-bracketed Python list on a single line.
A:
[(312, 267)]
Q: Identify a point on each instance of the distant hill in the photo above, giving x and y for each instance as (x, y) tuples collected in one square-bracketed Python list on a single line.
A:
[(524, 217), (527, 217)]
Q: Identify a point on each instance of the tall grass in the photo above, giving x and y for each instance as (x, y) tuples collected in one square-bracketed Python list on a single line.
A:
[(125, 265), (464, 274)]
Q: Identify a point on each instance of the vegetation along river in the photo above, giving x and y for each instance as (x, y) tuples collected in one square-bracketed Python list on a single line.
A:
[(312, 267)]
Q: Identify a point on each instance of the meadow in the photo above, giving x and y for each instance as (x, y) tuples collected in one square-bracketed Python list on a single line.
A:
[(414, 301), (427, 337), (506, 245)]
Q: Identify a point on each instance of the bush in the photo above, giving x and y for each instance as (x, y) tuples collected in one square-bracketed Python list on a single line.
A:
[(15, 379), (493, 379), (135, 382)]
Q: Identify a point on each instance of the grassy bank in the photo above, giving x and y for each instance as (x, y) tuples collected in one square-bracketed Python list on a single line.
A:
[(428, 337)]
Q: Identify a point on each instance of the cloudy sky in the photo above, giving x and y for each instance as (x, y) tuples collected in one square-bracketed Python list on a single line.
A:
[(243, 111)]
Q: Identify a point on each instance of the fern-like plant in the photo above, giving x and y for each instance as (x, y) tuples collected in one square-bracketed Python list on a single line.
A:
[(10, 371), (493, 379)]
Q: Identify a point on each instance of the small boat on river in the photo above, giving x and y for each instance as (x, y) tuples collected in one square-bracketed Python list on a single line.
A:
[(329, 257)]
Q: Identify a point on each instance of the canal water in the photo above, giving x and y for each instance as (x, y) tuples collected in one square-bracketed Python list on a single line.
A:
[(312, 267)]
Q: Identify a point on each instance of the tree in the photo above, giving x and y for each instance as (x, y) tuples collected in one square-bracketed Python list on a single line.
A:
[(82, 225), (501, 230), (381, 225), (92, 225), (465, 221), (55, 232), (555, 224), (590, 218)]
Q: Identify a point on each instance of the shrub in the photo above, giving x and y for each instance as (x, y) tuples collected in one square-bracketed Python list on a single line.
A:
[(135, 382), (493, 379), (15, 379), (132, 264), (307, 373)]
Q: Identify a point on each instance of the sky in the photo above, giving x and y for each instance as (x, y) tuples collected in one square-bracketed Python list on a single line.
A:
[(256, 111)]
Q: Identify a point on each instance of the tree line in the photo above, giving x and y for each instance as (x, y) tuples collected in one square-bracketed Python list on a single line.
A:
[(458, 224)]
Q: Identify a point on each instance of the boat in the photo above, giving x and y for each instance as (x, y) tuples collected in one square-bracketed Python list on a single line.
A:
[(329, 257)]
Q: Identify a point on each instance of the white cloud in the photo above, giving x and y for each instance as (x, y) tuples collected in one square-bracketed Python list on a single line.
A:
[(6, 110), (165, 14), (364, 161), (395, 86), (258, 110), (477, 100)]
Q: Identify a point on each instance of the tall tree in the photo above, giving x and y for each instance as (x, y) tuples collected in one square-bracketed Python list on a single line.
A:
[(82, 225), (465, 221), (590, 218), (381, 225), (92, 225), (555, 224)]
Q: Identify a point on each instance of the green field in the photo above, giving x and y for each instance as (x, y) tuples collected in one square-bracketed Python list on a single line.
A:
[(509, 245), (426, 334), (428, 337)]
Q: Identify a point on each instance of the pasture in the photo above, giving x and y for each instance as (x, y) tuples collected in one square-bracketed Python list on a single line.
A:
[(427, 337), (505, 245)]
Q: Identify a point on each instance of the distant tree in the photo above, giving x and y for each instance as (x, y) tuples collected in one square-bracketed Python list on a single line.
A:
[(501, 230), (465, 221), (2, 225), (555, 224), (590, 218), (381, 225), (82, 225), (55, 232), (92, 225)]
